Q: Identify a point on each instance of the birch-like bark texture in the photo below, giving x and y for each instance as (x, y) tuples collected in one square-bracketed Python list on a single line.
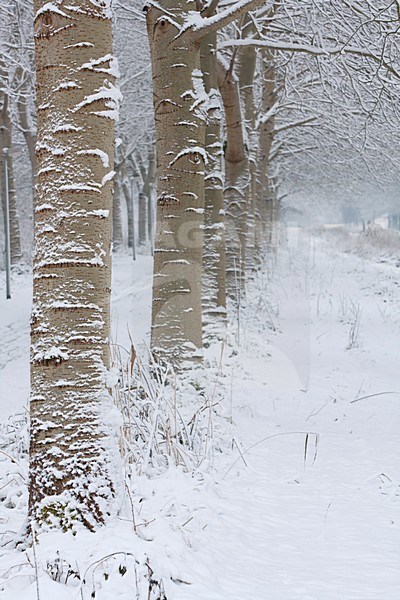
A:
[(146, 199), (264, 195), (179, 105), (142, 200), (6, 162), (176, 30), (214, 258), (236, 183), (73, 452), (247, 60), (123, 189), (25, 122), (117, 233), (129, 199), (149, 187), (142, 218)]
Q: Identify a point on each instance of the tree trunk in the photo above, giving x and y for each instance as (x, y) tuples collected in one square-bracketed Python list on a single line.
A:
[(264, 198), (236, 184), (25, 123), (247, 60), (6, 163), (143, 201), (175, 32), (117, 232), (73, 454), (179, 100), (128, 193), (214, 259), (148, 191)]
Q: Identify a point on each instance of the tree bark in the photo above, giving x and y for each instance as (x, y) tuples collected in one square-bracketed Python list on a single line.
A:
[(143, 202), (146, 200), (25, 124), (117, 235), (6, 162), (236, 184), (73, 454), (148, 190), (180, 105), (214, 258), (247, 60), (125, 192), (128, 193), (264, 195), (179, 98)]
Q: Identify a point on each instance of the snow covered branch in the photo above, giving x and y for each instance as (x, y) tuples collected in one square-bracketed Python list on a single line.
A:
[(200, 26)]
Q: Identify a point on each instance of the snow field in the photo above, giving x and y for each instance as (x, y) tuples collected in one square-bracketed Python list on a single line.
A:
[(296, 496)]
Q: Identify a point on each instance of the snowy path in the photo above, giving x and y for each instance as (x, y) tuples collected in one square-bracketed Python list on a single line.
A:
[(327, 526), (315, 521), (131, 300), (14, 345)]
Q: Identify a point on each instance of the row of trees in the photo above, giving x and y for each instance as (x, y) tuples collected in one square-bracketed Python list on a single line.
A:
[(252, 101), (334, 64), (317, 80)]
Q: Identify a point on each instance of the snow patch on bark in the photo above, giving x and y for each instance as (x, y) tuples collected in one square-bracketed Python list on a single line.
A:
[(94, 65), (50, 7), (107, 92), (105, 159)]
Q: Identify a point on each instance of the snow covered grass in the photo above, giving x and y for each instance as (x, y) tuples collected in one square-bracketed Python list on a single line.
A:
[(373, 242), (273, 474), (169, 437), (166, 420)]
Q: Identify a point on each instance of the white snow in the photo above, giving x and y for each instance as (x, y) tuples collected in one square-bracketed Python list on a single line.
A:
[(107, 92), (80, 187), (80, 45), (49, 353), (94, 65), (54, 151), (51, 7), (298, 497), (195, 151), (66, 85), (198, 211), (44, 206), (107, 177), (67, 128), (201, 100), (103, 214), (105, 159)]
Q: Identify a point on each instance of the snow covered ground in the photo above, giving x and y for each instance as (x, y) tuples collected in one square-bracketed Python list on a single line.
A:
[(303, 501)]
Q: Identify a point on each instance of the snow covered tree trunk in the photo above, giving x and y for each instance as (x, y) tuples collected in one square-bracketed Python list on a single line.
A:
[(179, 99), (6, 163), (274, 211), (236, 184), (175, 30), (146, 199), (26, 124), (73, 451), (149, 193), (143, 202), (247, 60), (128, 194), (121, 186), (117, 232), (264, 197), (214, 259)]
